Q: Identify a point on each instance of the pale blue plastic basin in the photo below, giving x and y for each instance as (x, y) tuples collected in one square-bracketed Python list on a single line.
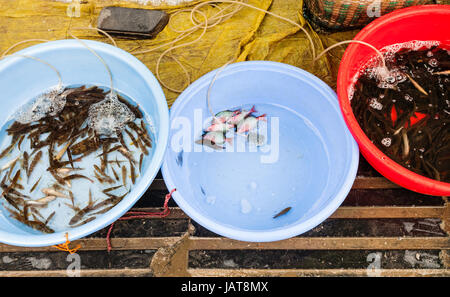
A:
[(235, 194), (22, 79)]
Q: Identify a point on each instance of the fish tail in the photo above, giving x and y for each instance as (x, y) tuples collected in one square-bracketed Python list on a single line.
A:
[(252, 110), (262, 117)]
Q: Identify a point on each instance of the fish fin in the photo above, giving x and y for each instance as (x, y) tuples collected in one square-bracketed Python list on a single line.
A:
[(252, 110), (262, 118)]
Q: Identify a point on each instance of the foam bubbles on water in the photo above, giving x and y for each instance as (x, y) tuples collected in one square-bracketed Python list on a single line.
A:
[(246, 207), (375, 104), (386, 141), (211, 200), (109, 115), (384, 75), (408, 97), (49, 103), (256, 139), (433, 62)]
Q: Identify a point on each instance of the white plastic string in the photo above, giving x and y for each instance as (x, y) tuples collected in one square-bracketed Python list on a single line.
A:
[(99, 57), (41, 61)]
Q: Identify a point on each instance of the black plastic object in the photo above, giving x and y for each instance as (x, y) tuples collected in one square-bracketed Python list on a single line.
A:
[(132, 23)]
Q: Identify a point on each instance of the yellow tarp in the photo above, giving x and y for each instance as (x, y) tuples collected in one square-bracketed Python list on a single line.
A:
[(249, 35)]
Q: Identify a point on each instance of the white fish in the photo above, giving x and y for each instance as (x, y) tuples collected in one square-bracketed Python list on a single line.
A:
[(52, 192), (219, 127), (241, 115), (217, 138), (249, 123), (224, 116), (7, 165), (41, 201)]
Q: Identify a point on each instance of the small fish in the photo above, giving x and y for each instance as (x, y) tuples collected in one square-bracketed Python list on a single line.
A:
[(283, 212), (446, 72), (224, 116), (51, 192), (25, 213), (19, 186), (85, 146), (126, 154), (121, 140), (49, 218), (209, 144), (118, 162), (115, 148), (405, 144), (416, 85), (34, 163), (41, 201), (58, 187), (76, 176), (10, 147), (219, 127), (10, 163), (141, 158), (142, 134), (99, 178), (142, 146), (62, 151), (133, 174), (13, 182), (114, 200), (111, 189), (102, 211), (80, 214), (104, 160), (20, 141), (13, 165), (241, 115), (102, 175), (124, 175), (99, 170), (115, 174), (35, 213), (84, 222), (59, 179), (217, 138), (37, 225), (69, 155), (249, 123), (13, 201), (35, 184), (72, 198), (65, 171), (25, 159), (133, 139)]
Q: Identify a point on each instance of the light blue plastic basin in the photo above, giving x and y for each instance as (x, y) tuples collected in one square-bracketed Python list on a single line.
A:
[(22, 79), (236, 194)]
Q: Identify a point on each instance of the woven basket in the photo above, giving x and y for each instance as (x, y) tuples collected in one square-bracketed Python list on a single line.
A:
[(350, 14)]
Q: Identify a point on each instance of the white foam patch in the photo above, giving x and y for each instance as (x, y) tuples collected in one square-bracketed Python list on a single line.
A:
[(246, 207), (109, 115), (49, 103), (388, 78)]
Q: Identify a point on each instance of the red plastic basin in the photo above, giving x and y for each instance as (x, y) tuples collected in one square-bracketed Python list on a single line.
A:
[(426, 22)]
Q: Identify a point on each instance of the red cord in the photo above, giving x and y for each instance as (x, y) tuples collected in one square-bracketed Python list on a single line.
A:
[(131, 215)]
